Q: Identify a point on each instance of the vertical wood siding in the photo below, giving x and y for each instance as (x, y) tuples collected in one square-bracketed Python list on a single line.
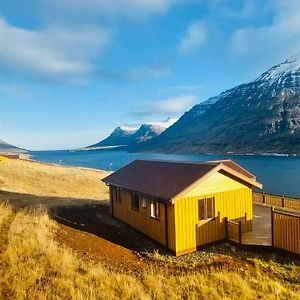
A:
[(209, 232), (171, 227), (236, 205), (286, 231), (140, 220)]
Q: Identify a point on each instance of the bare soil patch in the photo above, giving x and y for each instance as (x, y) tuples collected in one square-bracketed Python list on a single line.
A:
[(94, 234)]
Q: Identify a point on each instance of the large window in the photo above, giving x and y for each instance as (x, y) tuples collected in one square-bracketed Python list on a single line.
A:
[(135, 201), (206, 208), (154, 209)]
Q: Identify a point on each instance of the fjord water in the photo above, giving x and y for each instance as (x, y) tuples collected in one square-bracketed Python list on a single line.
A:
[(278, 174)]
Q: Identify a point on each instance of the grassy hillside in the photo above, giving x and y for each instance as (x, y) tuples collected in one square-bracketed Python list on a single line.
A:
[(51, 185), (36, 263)]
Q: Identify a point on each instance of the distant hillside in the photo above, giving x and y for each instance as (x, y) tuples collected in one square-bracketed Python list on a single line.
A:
[(262, 116), (5, 147), (129, 135)]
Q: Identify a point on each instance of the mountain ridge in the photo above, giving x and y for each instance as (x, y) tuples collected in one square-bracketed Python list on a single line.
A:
[(131, 134), (262, 116), (7, 148)]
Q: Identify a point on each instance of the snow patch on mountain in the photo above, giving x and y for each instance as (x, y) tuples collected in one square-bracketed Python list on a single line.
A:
[(282, 73), (130, 128)]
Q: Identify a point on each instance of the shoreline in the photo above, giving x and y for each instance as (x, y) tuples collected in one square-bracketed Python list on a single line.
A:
[(122, 148)]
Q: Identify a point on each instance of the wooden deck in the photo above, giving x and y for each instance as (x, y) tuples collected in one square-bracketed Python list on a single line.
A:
[(262, 231)]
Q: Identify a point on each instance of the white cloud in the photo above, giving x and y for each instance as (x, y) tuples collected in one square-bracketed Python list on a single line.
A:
[(194, 38), (146, 72), (131, 8), (170, 106), (53, 53), (278, 40)]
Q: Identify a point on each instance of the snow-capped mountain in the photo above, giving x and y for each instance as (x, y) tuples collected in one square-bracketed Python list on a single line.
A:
[(262, 116), (130, 134)]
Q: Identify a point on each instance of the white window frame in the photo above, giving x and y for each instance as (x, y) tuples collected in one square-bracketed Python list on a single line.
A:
[(206, 217), (155, 209)]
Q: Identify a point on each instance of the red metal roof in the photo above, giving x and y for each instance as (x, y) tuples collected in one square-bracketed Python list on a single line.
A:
[(164, 179), (235, 167)]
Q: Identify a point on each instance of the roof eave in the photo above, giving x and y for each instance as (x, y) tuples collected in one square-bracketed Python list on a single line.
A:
[(250, 181)]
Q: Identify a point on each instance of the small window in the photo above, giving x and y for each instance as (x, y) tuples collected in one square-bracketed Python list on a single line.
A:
[(118, 194), (154, 209), (206, 208), (135, 201)]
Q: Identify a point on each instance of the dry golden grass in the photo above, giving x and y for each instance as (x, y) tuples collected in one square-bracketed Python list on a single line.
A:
[(51, 185), (34, 266)]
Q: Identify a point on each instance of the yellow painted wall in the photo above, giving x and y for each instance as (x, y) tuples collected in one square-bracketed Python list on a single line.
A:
[(232, 200), (141, 220), (215, 183), (185, 232), (171, 227)]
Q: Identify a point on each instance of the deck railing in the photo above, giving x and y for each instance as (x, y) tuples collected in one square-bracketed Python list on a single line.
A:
[(234, 231), (286, 231), (277, 200)]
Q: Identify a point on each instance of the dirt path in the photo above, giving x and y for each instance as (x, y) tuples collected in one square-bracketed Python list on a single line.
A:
[(89, 246), (93, 234)]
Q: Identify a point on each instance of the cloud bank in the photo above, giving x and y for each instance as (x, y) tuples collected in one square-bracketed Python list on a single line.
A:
[(168, 107), (194, 38), (279, 39), (54, 53)]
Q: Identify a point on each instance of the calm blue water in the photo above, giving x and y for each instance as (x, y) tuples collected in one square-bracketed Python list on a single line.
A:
[(279, 175)]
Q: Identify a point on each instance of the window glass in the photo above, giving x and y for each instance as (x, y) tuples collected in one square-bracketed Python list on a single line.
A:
[(135, 201), (118, 194), (154, 209), (201, 209), (210, 207)]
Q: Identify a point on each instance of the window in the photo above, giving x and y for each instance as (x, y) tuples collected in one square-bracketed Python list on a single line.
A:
[(144, 201), (135, 201), (154, 209), (118, 194), (206, 208)]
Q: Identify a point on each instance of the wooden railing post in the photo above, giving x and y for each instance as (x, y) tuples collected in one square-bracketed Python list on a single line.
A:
[(282, 201), (264, 198), (272, 225), (240, 233), (226, 227)]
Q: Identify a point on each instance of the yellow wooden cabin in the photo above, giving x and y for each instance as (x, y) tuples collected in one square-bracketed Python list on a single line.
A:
[(182, 205), (2, 158)]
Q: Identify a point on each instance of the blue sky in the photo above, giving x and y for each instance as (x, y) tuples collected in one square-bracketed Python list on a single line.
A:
[(73, 70)]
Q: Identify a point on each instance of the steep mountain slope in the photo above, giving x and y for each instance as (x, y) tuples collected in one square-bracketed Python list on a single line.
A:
[(133, 134), (120, 136), (5, 147), (260, 116)]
